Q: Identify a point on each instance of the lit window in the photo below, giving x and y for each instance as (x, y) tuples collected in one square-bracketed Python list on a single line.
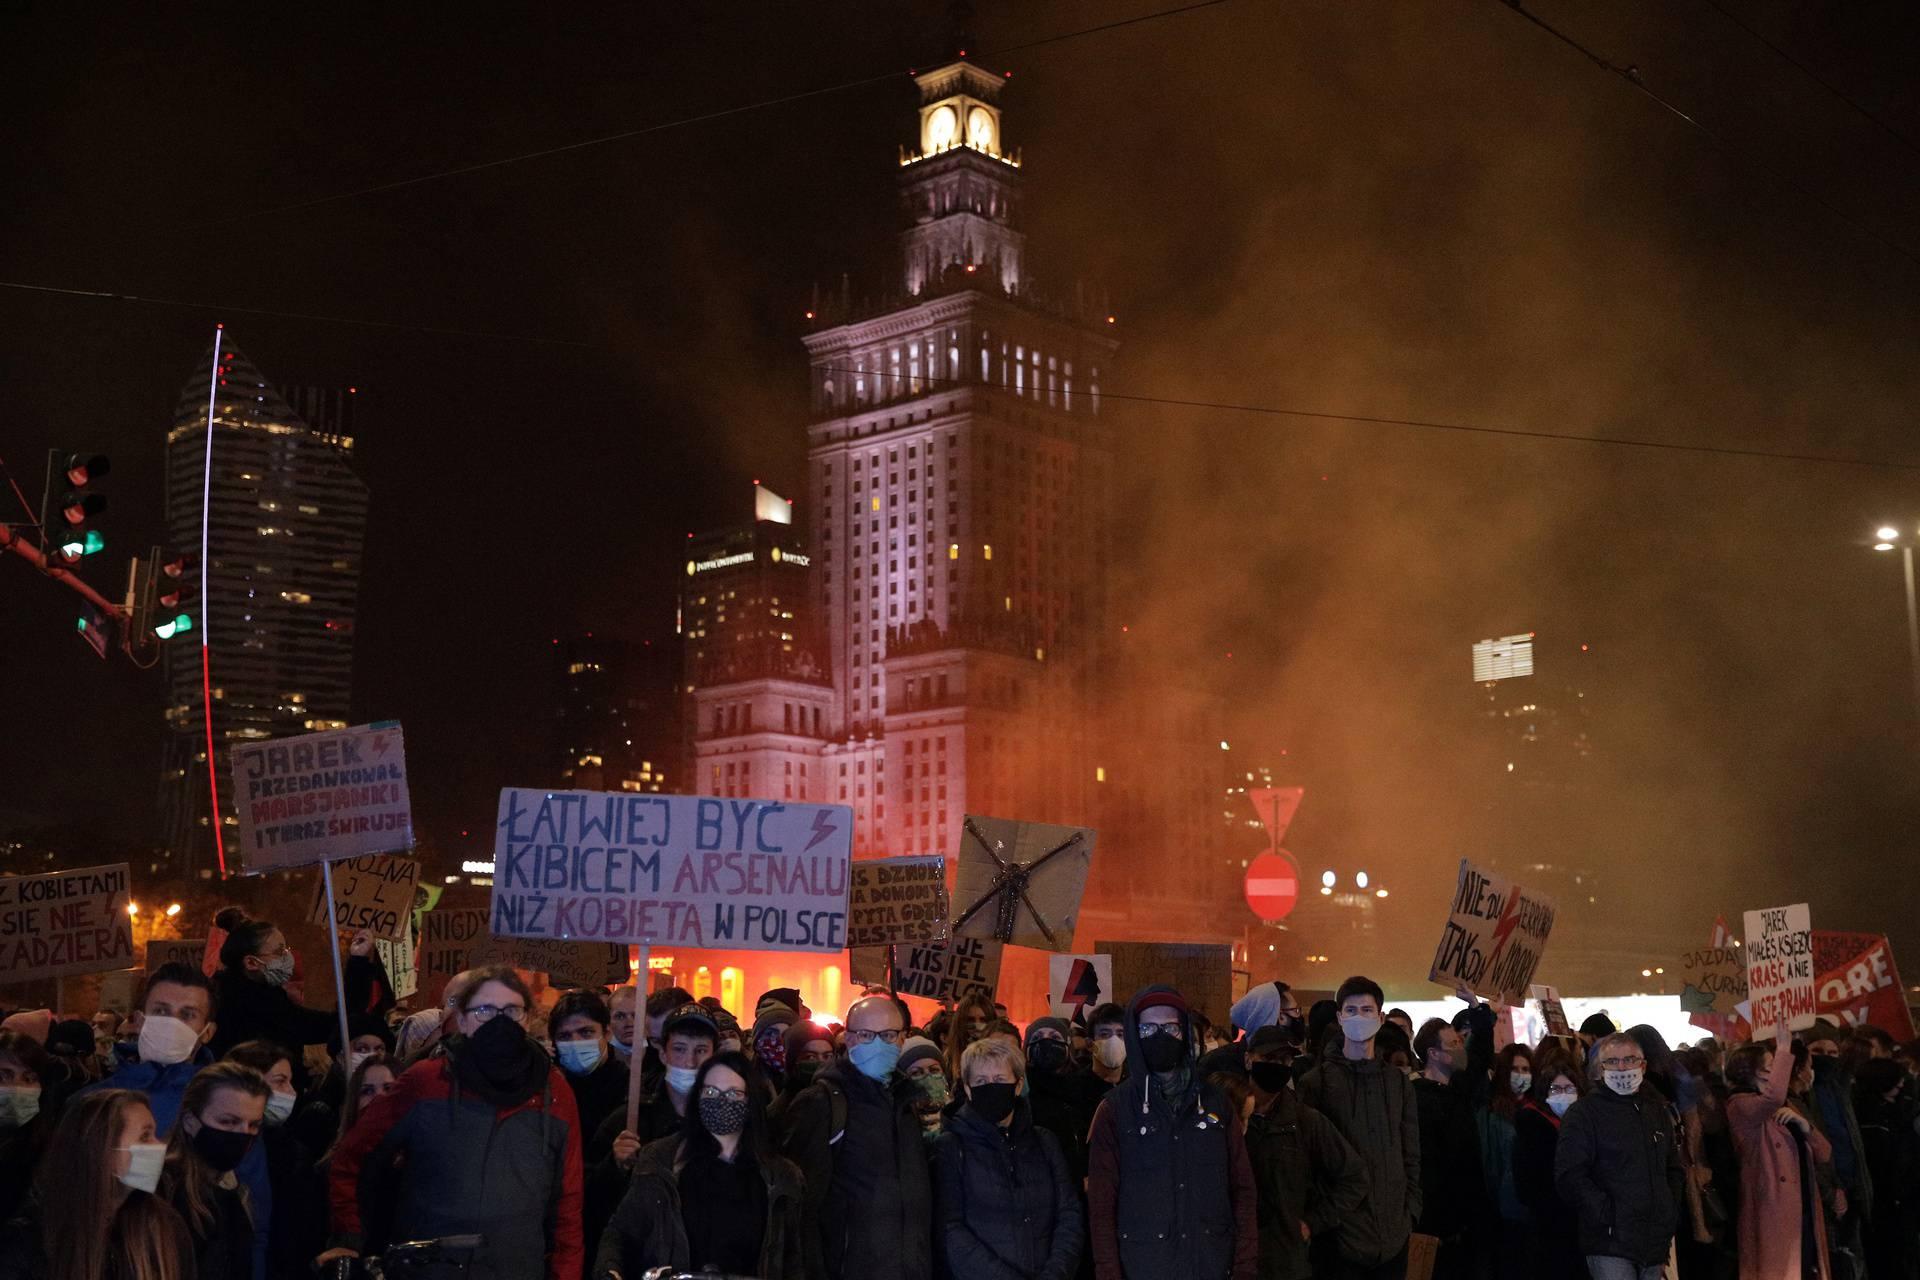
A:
[(986, 550), (953, 551)]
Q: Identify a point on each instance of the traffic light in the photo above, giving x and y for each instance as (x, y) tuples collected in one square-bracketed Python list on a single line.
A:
[(153, 597), (70, 502)]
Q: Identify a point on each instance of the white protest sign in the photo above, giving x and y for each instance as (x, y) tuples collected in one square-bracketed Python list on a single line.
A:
[(373, 893), (754, 875), (322, 796), (896, 900), (403, 971), (1078, 984), (65, 922), (1779, 951)]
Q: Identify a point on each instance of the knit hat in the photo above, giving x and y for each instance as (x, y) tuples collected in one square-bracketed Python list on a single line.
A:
[(725, 1021), (1057, 1024), (916, 1049), (1260, 1007), (1168, 998), (800, 1033), (772, 1015), (71, 1036), (788, 997), (32, 1023), (416, 1032)]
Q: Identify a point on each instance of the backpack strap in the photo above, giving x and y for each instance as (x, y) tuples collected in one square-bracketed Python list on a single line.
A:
[(837, 1109)]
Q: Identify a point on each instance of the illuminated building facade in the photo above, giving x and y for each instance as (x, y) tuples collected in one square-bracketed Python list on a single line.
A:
[(285, 516)]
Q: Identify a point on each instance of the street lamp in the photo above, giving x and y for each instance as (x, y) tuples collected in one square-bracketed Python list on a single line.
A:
[(1890, 538)]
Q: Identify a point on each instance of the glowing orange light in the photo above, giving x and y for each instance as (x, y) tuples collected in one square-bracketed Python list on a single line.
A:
[(809, 315)]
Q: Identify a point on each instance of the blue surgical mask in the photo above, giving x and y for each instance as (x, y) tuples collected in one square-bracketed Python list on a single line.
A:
[(579, 1056), (875, 1059)]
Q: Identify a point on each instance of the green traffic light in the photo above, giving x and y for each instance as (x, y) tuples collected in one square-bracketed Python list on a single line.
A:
[(80, 624), (168, 630), (93, 542)]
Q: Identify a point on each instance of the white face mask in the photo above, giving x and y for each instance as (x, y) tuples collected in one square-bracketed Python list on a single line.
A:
[(1111, 1052), (279, 1107), (1359, 1027), (19, 1104), (1559, 1102), (353, 1062), (680, 1079), (1626, 1083), (1521, 1081), (144, 1162), (166, 1041)]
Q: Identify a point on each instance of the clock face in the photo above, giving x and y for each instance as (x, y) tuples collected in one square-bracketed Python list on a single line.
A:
[(942, 127), (980, 128)]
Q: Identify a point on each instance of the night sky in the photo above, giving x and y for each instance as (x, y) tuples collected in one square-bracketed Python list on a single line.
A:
[(1431, 212)]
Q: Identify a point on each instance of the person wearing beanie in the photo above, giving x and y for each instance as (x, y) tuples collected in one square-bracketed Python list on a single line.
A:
[(767, 1045), (1063, 1098), (805, 1049), (35, 1024), (923, 1065), (1166, 1157)]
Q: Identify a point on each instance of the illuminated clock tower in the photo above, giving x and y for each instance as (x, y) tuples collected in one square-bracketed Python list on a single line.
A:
[(959, 189)]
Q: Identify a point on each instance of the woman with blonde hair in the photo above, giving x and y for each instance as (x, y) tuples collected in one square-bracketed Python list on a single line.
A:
[(93, 1214), (971, 1018), (221, 1114)]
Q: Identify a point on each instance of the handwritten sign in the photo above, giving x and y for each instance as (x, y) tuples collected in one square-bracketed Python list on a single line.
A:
[(1552, 1011), (1858, 984), (375, 894), (946, 971), (455, 939), (65, 922), (751, 875), (1779, 952), (186, 951), (896, 900), (1200, 971), (1077, 985), (322, 796), (1495, 933), (1713, 980), (398, 959)]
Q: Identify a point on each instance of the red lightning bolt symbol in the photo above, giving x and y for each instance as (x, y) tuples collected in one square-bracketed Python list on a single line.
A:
[(822, 828), (1509, 919)]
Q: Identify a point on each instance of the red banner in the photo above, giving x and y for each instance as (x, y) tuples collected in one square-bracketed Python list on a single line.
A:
[(1857, 983)]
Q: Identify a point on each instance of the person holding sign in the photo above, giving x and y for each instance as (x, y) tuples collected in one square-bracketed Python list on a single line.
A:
[(255, 965), (1618, 1165), (1778, 1149), (494, 1103)]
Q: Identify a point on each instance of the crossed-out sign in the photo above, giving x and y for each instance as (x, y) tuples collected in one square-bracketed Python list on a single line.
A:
[(1273, 878)]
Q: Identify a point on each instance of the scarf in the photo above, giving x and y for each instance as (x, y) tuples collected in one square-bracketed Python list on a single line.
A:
[(499, 1062)]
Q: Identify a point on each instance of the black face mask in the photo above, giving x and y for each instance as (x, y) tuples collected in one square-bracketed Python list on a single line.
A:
[(1292, 1028), (223, 1149), (993, 1101), (1163, 1052), (1271, 1077), (1823, 1065), (801, 1074), (1047, 1055)]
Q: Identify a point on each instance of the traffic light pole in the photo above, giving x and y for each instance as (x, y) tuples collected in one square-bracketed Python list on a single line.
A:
[(12, 539)]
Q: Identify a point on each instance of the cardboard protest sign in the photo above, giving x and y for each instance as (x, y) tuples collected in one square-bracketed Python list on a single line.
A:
[(1021, 882), (453, 939), (185, 951), (322, 796), (621, 866), (398, 958), (65, 922), (1202, 972), (374, 893), (1713, 980), (1554, 1013), (1077, 985), (1857, 984), (1779, 952), (1495, 932), (945, 971), (867, 966), (896, 900)]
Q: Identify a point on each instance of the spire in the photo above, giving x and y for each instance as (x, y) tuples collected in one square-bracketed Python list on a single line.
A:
[(243, 396), (960, 18)]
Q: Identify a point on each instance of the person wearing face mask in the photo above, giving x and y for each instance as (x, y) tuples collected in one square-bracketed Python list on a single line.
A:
[(714, 1194), (26, 1121), (298, 1224), (1006, 1205), (1373, 1107), (221, 1116), (93, 1214), (1169, 1189), (857, 1140), (731, 1040), (1512, 1077), (660, 1005), (1830, 1106), (1107, 1032), (804, 1049), (1549, 1243), (1061, 1095), (1451, 1091), (1308, 1177), (621, 1028), (451, 1124), (579, 1025), (921, 1065), (1782, 1230), (255, 965), (767, 1044), (1619, 1166), (688, 1038)]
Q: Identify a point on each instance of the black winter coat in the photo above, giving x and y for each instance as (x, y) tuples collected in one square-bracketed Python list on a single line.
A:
[(23, 1250), (1063, 1104), (1373, 1107), (869, 1196), (649, 1228), (224, 1251), (1552, 1245), (1005, 1202), (1619, 1166), (250, 1010), (1306, 1173)]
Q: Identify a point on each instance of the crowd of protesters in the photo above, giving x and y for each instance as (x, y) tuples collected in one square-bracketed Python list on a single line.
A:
[(221, 1131)]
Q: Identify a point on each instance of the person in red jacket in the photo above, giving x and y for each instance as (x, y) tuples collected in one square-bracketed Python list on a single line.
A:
[(484, 1141)]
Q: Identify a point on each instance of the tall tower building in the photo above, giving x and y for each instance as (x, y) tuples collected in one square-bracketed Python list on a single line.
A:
[(285, 517), (959, 482), (617, 715)]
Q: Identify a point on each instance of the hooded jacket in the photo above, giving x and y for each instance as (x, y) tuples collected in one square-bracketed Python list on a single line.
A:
[(1618, 1167), (1006, 1205), (252, 1010), (1373, 1107), (649, 1228), (1169, 1190), (1306, 1173)]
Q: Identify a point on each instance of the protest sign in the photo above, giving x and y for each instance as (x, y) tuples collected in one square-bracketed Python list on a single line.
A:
[(403, 972), (867, 966), (1857, 983), (1713, 980), (1077, 985), (1495, 932), (321, 796), (1552, 1011), (896, 900), (945, 971), (754, 875), (453, 939), (65, 922), (185, 951), (1021, 882), (1202, 972), (1779, 952), (373, 893)]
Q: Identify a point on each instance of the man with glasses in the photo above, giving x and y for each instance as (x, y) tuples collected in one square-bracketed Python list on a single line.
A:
[(856, 1138), (1169, 1189), (1618, 1165)]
